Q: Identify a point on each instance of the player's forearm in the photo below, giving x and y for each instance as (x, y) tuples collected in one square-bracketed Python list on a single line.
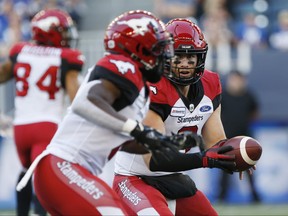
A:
[(5, 72), (99, 112), (180, 162), (72, 84)]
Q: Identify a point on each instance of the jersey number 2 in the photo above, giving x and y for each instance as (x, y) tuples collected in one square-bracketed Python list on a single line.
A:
[(47, 82)]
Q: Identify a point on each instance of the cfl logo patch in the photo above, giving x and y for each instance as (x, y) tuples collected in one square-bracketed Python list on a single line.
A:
[(153, 89)]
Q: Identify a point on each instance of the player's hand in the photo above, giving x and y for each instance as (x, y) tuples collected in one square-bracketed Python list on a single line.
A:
[(215, 157), (249, 172), (154, 141), (186, 139)]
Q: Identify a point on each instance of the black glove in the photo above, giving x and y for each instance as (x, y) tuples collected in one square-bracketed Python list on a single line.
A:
[(215, 157), (186, 140), (154, 141)]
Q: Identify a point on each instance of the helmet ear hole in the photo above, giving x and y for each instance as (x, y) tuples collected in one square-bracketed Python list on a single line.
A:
[(145, 52), (138, 47)]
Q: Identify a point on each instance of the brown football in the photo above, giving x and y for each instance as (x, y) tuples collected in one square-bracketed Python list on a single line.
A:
[(247, 151)]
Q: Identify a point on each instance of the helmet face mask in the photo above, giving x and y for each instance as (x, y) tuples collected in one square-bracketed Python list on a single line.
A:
[(71, 37), (53, 27), (188, 40), (142, 37)]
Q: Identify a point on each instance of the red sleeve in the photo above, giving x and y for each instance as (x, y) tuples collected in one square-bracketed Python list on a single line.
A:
[(212, 87), (15, 49), (122, 67), (163, 97), (73, 58), (158, 93), (212, 84)]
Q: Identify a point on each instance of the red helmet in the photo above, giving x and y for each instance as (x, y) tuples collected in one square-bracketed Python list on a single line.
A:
[(141, 36), (53, 27), (188, 39)]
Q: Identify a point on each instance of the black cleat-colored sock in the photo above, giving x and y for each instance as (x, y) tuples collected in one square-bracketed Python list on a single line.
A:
[(24, 198), (38, 209)]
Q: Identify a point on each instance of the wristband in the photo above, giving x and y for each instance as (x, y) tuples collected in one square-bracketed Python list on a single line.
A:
[(129, 125), (205, 161)]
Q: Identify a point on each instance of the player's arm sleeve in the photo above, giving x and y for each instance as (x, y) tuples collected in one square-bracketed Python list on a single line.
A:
[(93, 107), (159, 100), (180, 162), (129, 91), (217, 100), (72, 61), (96, 102), (162, 110)]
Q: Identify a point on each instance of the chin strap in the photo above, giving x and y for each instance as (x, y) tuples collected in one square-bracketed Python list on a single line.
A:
[(136, 57)]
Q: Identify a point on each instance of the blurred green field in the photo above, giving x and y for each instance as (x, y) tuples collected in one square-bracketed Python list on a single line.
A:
[(229, 210), (257, 209)]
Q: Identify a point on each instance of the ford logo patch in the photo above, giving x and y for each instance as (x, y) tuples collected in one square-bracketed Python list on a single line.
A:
[(205, 108)]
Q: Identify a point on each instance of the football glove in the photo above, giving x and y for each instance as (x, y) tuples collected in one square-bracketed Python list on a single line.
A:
[(153, 141), (220, 143), (186, 140), (215, 157)]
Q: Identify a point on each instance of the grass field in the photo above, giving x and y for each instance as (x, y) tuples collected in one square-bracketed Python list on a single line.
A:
[(230, 210), (258, 209)]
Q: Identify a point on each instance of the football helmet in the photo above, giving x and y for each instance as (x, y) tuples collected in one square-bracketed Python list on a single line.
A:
[(188, 39), (141, 36), (53, 27)]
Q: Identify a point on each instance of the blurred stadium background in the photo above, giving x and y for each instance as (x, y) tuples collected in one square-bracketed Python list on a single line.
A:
[(251, 50)]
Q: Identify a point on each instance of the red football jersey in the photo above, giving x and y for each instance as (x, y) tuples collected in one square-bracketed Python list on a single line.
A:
[(191, 113)]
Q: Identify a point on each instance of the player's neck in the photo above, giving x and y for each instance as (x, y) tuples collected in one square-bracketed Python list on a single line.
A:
[(184, 90)]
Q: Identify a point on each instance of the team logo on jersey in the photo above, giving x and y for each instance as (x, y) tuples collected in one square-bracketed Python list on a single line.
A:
[(123, 67), (153, 89), (128, 194), (205, 108), (178, 111), (140, 26), (191, 107), (195, 118), (74, 177)]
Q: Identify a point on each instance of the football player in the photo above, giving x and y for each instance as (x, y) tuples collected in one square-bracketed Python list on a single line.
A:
[(106, 112), (186, 99), (44, 70)]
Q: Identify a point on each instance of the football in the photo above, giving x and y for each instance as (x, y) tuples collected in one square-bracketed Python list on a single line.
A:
[(247, 151)]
